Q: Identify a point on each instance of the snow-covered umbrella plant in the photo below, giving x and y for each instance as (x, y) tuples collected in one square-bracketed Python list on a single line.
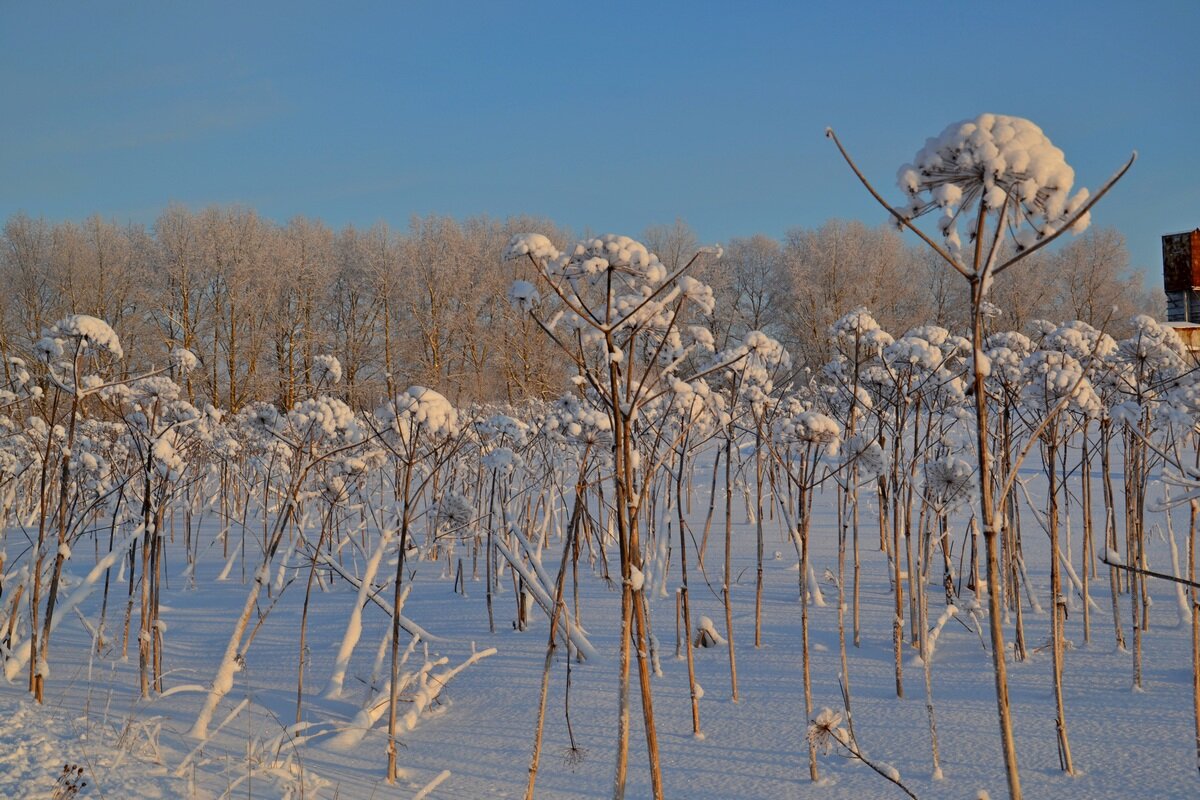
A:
[(294, 447), (621, 319), (66, 349), (1014, 186), (748, 382), (986, 164), (420, 431), (160, 430), (799, 439)]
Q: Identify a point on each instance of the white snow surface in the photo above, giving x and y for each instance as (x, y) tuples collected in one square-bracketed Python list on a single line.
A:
[(480, 728), (36, 743)]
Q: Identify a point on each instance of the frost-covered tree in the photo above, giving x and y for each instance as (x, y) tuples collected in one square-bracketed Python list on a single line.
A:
[(838, 267)]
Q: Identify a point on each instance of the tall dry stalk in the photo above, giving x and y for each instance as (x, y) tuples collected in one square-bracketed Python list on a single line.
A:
[(1002, 197)]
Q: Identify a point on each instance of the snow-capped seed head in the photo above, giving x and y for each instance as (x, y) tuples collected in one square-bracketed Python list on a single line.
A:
[(156, 387), (1080, 340), (825, 730), (1005, 368), (90, 383), (184, 360), (1018, 343), (262, 417), (419, 406), (697, 292), (502, 459), (92, 331), (1154, 356), (166, 458), (594, 258), (999, 161), (434, 411), (701, 337), (867, 457), (764, 352), (1051, 376), (949, 482), (324, 417), (502, 428), (334, 489), (523, 295), (532, 244), (48, 349), (571, 420), (454, 510), (854, 324), (327, 370), (811, 427), (934, 334), (913, 351)]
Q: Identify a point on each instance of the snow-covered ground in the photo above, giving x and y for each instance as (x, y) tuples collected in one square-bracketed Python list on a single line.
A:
[(480, 728)]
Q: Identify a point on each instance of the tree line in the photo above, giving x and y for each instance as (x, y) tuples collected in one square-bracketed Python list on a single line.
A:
[(259, 301)]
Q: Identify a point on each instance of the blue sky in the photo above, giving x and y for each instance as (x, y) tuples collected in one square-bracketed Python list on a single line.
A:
[(606, 116)]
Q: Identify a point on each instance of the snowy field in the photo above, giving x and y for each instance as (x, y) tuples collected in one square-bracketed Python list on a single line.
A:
[(1125, 743), (328, 602)]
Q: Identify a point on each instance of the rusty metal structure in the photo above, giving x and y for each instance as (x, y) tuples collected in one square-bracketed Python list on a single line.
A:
[(1181, 276)]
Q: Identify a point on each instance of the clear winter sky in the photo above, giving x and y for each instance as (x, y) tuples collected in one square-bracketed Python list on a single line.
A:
[(600, 116)]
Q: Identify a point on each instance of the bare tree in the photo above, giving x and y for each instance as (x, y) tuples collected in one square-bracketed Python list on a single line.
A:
[(1094, 280), (28, 304), (235, 242), (353, 314), (182, 303), (843, 265), (760, 289)]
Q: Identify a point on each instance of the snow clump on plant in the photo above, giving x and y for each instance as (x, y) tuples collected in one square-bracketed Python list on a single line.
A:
[(867, 457), (535, 245), (1051, 376), (325, 417), (949, 482), (571, 420), (454, 510), (594, 258), (503, 428), (853, 323), (825, 730), (811, 427), (914, 351), (421, 407), (993, 159), (523, 295), (327, 370), (92, 331), (184, 360), (48, 349)]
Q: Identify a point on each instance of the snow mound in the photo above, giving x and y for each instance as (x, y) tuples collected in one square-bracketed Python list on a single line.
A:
[(36, 744)]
